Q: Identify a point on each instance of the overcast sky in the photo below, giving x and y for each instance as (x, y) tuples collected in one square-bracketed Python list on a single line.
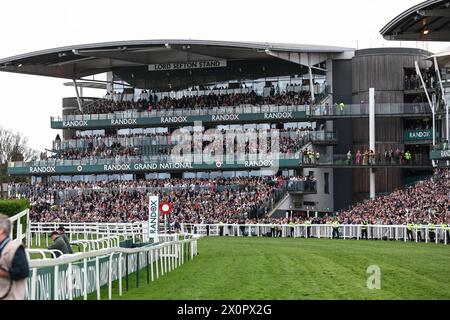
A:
[(27, 102)]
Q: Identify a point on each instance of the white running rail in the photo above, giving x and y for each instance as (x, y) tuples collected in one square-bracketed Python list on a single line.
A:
[(77, 275), (346, 231)]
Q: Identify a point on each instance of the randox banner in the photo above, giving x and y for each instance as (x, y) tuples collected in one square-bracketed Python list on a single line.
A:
[(153, 217), (418, 135)]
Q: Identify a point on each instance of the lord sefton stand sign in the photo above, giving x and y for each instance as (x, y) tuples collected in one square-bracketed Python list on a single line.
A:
[(204, 64)]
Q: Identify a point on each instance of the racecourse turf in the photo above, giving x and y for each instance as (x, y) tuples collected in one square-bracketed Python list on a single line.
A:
[(284, 268)]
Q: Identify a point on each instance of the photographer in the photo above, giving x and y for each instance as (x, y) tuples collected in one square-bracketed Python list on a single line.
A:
[(14, 267)]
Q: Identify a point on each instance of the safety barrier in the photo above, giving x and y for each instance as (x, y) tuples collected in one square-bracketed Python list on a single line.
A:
[(44, 253), (346, 231), (16, 224), (77, 275), (96, 244), (39, 231)]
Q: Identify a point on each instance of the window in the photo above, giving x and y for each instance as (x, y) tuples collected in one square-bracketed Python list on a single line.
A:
[(326, 177)]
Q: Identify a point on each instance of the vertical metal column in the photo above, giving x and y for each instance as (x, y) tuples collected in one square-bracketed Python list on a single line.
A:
[(311, 85), (311, 81), (432, 107), (78, 95), (444, 99), (372, 138)]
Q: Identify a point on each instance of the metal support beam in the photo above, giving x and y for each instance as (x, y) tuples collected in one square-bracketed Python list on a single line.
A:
[(372, 138), (432, 107), (311, 85), (444, 98), (80, 106)]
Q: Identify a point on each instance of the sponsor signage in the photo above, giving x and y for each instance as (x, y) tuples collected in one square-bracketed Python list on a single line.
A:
[(165, 207), (153, 217), (61, 169), (204, 64), (43, 169), (122, 122), (418, 135), (75, 123), (440, 155), (175, 120)]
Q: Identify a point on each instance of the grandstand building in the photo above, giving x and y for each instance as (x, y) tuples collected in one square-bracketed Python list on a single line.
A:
[(429, 21), (316, 97)]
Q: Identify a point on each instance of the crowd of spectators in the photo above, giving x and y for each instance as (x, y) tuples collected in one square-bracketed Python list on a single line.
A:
[(130, 145), (226, 200), (194, 200), (99, 151), (426, 201), (197, 102), (389, 157), (413, 82)]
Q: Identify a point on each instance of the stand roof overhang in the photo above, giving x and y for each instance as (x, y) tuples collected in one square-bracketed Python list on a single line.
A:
[(126, 57), (427, 21)]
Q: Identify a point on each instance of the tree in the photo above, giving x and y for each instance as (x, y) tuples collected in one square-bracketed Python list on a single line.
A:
[(14, 147)]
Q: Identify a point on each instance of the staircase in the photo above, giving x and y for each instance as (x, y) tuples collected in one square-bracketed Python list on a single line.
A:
[(279, 204)]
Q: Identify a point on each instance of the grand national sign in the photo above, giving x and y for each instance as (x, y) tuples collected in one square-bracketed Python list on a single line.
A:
[(187, 65)]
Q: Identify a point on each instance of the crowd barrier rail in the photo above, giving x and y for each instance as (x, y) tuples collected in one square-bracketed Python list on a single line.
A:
[(310, 110), (77, 275), (18, 223), (346, 231), (38, 232)]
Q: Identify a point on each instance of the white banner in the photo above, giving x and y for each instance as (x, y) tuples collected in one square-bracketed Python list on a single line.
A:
[(153, 217), (187, 65)]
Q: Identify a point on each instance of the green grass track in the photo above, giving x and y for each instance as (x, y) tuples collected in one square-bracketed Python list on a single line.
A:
[(284, 268)]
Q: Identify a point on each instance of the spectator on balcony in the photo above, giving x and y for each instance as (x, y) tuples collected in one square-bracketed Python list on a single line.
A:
[(408, 157), (397, 156), (387, 157), (358, 157), (365, 157), (371, 154), (379, 158), (349, 157)]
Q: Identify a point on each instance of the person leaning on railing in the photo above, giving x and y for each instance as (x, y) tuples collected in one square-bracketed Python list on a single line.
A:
[(62, 234), (14, 268), (58, 243)]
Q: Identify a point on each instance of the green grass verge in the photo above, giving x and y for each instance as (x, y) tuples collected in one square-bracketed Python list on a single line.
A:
[(11, 207), (283, 268)]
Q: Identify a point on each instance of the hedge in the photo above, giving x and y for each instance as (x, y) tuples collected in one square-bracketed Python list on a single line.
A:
[(12, 207)]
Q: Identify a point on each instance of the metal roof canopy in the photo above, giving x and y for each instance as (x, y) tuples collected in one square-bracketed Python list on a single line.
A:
[(87, 84), (427, 21), (443, 58), (129, 60)]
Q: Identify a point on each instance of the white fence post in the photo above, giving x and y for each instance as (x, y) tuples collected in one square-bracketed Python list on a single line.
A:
[(120, 274), (97, 277), (85, 279)]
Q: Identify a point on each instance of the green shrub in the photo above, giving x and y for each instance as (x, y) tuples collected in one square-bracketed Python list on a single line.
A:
[(12, 207)]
